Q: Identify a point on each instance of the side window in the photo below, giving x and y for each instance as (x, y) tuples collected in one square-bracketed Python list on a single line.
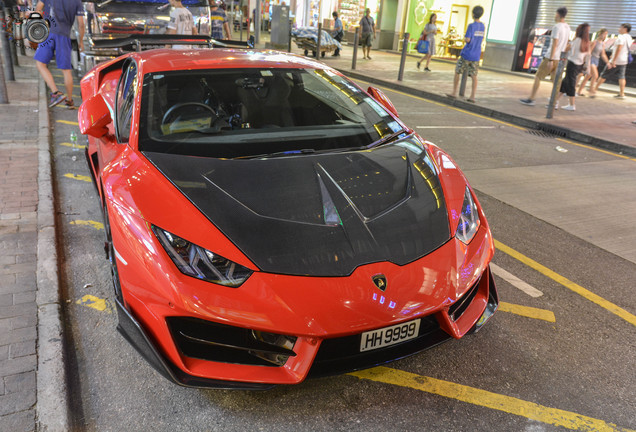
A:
[(126, 91)]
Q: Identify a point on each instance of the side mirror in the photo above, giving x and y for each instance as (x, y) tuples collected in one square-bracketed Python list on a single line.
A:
[(94, 116), (379, 96)]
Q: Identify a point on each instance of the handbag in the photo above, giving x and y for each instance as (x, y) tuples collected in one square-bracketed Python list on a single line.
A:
[(422, 46)]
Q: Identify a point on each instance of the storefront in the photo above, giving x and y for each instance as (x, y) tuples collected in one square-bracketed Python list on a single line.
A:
[(310, 12), (453, 18)]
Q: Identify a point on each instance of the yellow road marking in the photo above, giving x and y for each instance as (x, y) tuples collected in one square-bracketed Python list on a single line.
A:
[(94, 302), (67, 122), (77, 146), (596, 149), (527, 311), (487, 399), (94, 224), (78, 177), (496, 120), (594, 298), (447, 106)]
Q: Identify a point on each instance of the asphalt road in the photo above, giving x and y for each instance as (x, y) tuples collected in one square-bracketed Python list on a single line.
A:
[(555, 357)]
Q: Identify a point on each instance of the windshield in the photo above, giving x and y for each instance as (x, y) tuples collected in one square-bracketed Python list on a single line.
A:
[(228, 113)]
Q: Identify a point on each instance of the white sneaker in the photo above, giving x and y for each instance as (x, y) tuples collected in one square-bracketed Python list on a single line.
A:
[(569, 108), (556, 105)]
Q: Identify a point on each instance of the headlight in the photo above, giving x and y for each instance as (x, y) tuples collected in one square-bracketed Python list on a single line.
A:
[(200, 263), (468, 219)]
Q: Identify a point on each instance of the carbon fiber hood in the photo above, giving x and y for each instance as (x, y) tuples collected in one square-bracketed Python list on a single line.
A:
[(319, 215)]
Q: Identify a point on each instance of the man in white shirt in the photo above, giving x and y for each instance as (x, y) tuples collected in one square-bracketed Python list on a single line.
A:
[(559, 39), (618, 62), (181, 22)]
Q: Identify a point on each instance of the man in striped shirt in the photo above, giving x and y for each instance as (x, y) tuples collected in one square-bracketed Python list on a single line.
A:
[(218, 22)]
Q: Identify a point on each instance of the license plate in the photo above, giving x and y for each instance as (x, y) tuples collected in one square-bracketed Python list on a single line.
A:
[(387, 336)]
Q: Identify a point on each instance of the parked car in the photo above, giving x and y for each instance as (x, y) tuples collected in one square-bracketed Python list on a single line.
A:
[(109, 19), (268, 220)]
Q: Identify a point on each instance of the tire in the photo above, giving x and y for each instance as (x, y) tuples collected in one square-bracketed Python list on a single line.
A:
[(111, 256)]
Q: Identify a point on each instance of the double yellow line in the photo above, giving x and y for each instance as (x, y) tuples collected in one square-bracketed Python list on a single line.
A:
[(585, 293), (487, 399), (505, 123)]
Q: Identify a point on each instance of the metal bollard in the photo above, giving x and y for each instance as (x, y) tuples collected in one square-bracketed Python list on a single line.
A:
[(557, 75), (356, 39), (318, 40), (5, 44), (462, 85), (405, 46), (19, 34), (290, 37), (14, 51)]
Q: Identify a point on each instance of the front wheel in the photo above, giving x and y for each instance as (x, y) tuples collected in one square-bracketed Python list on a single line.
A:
[(111, 255)]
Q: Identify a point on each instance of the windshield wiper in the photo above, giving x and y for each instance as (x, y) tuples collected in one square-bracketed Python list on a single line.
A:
[(386, 139), (279, 154)]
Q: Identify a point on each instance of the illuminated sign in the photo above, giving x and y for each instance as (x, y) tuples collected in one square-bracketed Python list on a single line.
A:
[(504, 20)]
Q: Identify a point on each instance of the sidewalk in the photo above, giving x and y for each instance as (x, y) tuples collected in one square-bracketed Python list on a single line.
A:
[(18, 250), (32, 387), (603, 122)]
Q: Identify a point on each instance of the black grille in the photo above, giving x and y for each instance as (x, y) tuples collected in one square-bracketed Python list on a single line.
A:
[(206, 340), (340, 355), (459, 307)]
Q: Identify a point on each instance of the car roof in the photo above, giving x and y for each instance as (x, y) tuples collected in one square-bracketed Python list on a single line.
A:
[(161, 60)]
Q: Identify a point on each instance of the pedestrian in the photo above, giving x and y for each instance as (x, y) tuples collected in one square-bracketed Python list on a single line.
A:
[(430, 30), (579, 48), (61, 15), (597, 51), (471, 53), (218, 22), (181, 22), (618, 62), (338, 31), (367, 28), (559, 37)]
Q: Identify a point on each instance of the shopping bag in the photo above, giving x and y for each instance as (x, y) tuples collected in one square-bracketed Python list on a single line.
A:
[(422, 46)]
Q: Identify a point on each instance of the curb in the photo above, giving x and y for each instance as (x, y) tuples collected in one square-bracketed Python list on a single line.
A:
[(499, 115), (52, 412)]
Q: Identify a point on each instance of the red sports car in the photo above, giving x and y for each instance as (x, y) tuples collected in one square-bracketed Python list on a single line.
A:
[(268, 220)]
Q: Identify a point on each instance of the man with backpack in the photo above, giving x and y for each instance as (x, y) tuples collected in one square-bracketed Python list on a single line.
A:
[(61, 15)]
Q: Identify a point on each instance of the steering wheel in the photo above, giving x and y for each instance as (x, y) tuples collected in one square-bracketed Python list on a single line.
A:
[(179, 106)]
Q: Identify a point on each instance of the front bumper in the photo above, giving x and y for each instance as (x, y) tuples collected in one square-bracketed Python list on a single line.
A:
[(335, 355), (132, 331)]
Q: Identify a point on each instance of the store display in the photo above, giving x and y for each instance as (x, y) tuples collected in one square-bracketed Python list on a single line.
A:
[(351, 12)]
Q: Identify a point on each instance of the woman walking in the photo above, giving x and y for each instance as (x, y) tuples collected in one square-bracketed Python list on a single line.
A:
[(579, 48), (430, 30), (597, 51)]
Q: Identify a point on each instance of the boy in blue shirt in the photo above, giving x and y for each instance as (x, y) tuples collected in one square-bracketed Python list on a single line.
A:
[(470, 55)]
